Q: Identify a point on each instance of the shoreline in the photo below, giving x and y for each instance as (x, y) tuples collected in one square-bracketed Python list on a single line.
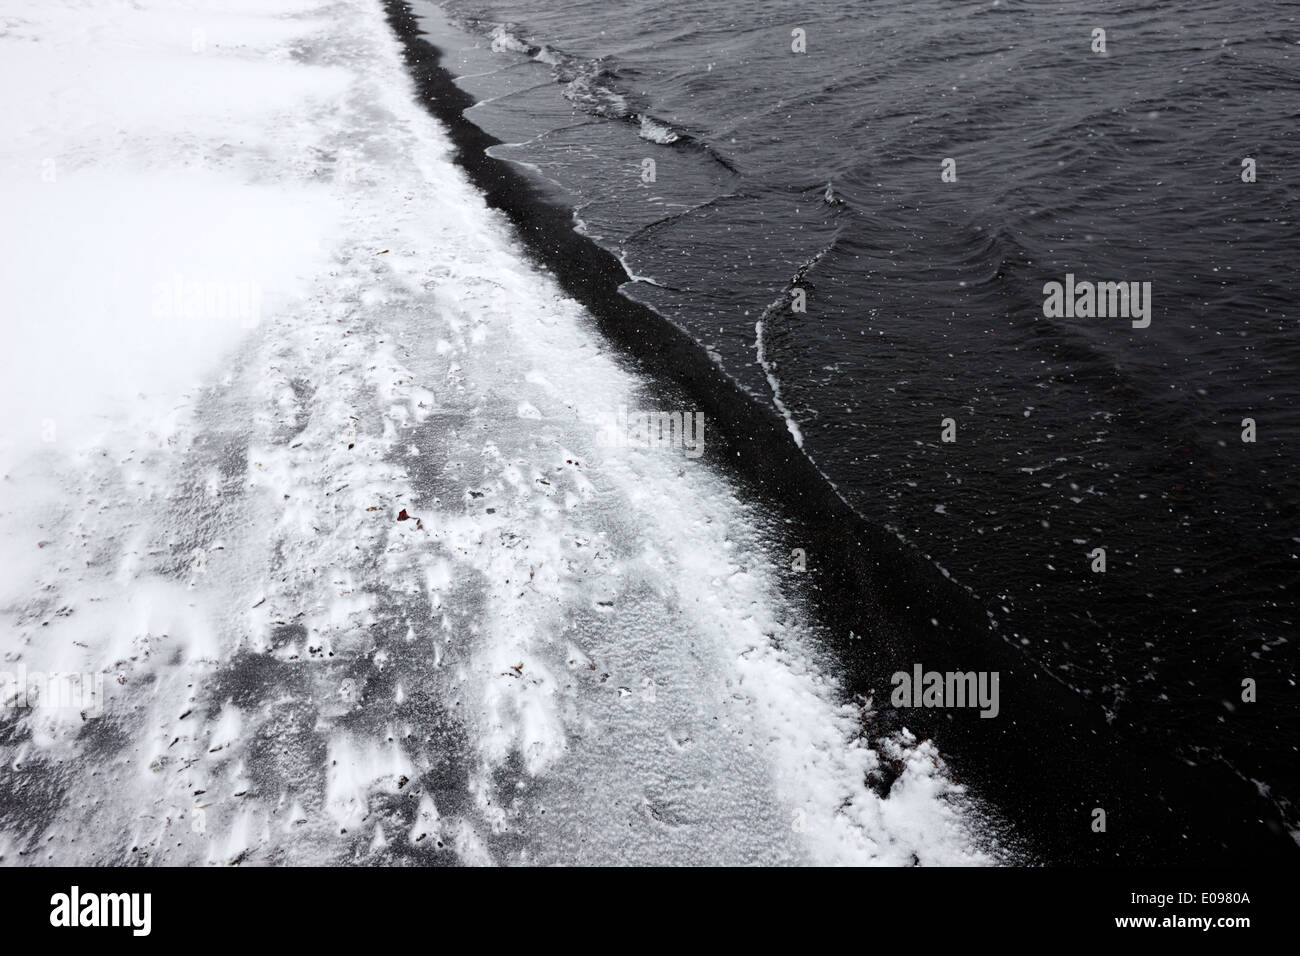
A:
[(1045, 790), (379, 596)]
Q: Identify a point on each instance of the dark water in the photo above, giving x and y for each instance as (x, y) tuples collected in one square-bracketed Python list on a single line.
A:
[(821, 170)]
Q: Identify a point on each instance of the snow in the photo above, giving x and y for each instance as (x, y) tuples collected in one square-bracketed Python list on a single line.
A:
[(361, 579), (132, 161)]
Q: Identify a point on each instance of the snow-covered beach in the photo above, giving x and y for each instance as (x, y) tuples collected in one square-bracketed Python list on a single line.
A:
[(304, 456)]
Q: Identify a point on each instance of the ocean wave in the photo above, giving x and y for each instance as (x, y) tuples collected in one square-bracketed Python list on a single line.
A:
[(594, 85)]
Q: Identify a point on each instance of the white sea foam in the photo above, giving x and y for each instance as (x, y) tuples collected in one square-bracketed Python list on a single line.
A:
[(769, 370), (657, 132), (503, 37)]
